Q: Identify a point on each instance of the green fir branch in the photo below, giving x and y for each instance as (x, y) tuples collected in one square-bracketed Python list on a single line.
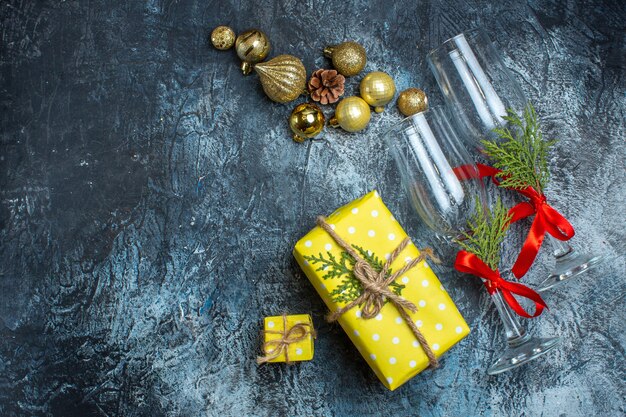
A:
[(350, 287), (486, 232), (521, 153)]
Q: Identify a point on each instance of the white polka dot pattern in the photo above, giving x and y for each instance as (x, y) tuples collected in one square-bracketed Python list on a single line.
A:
[(298, 351), (369, 225)]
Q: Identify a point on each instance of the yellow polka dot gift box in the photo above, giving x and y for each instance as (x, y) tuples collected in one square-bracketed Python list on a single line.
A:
[(400, 327), (287, 339)]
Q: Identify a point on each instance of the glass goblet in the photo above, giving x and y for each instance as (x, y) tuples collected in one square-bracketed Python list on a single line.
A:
[(426, 150), (478, 88)]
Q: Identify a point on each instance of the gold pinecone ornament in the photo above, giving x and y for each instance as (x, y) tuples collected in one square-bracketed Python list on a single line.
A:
[(412, 101), (306, 121), (283, 78), (349, 58), (326, 86), (252, 46)]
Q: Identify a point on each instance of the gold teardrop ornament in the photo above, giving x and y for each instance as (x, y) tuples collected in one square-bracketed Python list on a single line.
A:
[(377, 89), (412, 101), (352, 114), (283, 78), (349, 58), (306, 122), (252, 46)]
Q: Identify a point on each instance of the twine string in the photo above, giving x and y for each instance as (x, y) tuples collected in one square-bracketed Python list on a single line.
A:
[(274, 348), (376, 286)]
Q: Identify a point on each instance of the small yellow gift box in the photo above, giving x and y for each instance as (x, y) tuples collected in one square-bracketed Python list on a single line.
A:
[(287, 339), (387, 342)]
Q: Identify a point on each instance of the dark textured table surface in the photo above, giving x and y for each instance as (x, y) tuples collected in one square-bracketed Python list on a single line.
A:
[(151, 196)]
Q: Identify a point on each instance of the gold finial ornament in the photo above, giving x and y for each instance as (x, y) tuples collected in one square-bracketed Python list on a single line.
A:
[(349, 58), (352, 114), (377, 89), (283, 78), (223, 38), (412, 101), (306, 122), (252, 46)]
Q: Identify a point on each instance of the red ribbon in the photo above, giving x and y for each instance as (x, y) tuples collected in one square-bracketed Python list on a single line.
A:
[(471, 264), (547, 219)]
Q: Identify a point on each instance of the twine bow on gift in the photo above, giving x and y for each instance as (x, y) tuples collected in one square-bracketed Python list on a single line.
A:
[(376, 287), (547, 218), (274, 348)]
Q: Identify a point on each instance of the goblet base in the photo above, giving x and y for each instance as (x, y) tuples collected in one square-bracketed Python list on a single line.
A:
[(522, 350), (568, 266)]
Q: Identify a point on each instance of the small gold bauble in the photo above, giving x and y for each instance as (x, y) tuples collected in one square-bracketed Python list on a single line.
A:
[(377, 89), (252, 46), (352, 114), (412, 101), (223, 38), (283, 78), (349, 58), (306, 122)]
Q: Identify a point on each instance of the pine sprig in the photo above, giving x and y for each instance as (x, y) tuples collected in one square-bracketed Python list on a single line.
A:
[(486, 232), (350, 287), (521, 153)]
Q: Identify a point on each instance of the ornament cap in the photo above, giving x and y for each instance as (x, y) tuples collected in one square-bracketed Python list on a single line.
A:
[(328, 51), (333, 122), (379, 109), (246, 68)]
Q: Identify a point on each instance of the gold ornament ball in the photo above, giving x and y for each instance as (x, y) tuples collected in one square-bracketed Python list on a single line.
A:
[(223, 38), (283, 78), (306, 122), (252, 46), (352, 114), (412, 101), (377, 89), (349, 58)]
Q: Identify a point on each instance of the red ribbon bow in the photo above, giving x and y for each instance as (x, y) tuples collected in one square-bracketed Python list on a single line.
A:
[(547, 218), (471, 264)]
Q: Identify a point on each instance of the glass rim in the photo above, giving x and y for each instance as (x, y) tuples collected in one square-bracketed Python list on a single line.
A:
[(478, 30)]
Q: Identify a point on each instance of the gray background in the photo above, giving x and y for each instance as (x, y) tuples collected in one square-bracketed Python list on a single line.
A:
[(151, 196)]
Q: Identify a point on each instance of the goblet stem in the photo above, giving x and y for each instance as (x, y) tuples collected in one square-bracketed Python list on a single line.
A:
[(513, 328), (559, 247), (522, 347)]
